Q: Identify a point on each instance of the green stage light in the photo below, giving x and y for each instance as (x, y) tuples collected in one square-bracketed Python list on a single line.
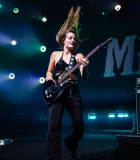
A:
[(16, 10), (43, 49), (0, 6), (103, 13)]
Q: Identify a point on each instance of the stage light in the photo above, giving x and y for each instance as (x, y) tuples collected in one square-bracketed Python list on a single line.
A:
[(0, 6), (103, 13), (43, 49), (11, 75), (16, 10), (92, 116), (117, 7), (5, 141), (14, 42), (111, 115), (42, 80), (44, 19), (121, 115), (1, 142)]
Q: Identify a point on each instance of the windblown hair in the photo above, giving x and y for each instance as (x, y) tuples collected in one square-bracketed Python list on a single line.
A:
[(70, 25)]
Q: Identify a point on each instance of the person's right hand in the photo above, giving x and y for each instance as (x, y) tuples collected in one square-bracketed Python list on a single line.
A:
[(49, 78)]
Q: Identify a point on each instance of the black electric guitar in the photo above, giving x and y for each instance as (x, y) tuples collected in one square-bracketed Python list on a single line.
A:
[(53, 90)]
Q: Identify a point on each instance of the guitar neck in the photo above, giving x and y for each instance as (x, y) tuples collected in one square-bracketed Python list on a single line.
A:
[(77, 65), (87, 56)]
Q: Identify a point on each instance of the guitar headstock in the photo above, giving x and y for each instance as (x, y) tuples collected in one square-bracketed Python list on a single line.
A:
[(105, 43)]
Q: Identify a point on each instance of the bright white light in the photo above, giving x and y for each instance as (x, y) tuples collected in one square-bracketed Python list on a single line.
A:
[(111, 116), (126, 115), (122, 115), (93, 117), (44, 19), (14, 42), (43, 49), (117, 7), (1, 142), (42, 80), (11, 75)]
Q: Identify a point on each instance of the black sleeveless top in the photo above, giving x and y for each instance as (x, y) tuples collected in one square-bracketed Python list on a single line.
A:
[(61, 65)]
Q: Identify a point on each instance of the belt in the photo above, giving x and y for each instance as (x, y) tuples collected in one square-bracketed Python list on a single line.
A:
[(73, 81)]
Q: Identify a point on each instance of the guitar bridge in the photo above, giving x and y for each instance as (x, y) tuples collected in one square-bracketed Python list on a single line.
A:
[(46, 92)]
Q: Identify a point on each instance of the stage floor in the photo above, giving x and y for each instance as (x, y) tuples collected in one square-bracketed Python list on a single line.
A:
[(31, 147), (91, 147)]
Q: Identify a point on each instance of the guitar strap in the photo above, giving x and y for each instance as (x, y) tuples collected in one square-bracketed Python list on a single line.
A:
[(71, 63)]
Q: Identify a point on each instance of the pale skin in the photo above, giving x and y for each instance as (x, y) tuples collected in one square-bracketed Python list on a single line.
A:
[(69, 44)]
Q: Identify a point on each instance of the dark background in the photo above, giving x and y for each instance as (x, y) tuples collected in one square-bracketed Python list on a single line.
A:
[(22, 107)]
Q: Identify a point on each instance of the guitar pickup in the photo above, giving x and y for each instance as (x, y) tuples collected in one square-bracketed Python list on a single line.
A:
[(49, 89), (56, 83), (46, 92)]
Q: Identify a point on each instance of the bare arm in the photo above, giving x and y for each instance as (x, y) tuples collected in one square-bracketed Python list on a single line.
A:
[(83, 68), (51, 67)]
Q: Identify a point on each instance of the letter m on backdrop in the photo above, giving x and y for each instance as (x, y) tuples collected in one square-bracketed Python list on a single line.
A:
[(120, 61)]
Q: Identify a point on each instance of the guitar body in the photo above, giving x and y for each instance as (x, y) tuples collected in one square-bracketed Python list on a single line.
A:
[(53, 90)]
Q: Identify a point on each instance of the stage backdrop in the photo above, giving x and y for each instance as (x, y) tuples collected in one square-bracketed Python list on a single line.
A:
[(113, 70)]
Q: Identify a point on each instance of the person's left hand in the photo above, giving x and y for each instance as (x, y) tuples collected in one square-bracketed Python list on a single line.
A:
[(84, 61)]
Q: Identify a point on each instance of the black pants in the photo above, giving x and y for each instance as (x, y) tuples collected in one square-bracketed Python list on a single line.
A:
[(72, 100)]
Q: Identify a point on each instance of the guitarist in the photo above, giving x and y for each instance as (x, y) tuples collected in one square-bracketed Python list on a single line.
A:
[(68, 39)]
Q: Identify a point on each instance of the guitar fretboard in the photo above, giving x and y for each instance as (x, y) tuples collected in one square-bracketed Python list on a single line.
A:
[(77, 65), (87, 56)]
